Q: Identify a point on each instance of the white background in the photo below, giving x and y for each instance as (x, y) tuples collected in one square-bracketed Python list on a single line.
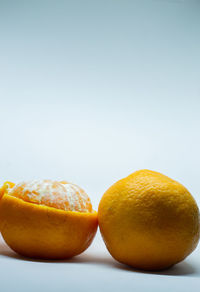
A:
[(91, 91)]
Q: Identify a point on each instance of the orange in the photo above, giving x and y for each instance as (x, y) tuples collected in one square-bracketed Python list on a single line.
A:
[(149, 221), (46, 219)]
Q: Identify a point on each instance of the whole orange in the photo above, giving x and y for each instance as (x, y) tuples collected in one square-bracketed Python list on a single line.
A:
[(149, 221), (46, 219)]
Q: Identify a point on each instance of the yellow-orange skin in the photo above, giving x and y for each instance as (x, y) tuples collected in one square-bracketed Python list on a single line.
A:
[(4, 188), (44, 232), (149, 221)]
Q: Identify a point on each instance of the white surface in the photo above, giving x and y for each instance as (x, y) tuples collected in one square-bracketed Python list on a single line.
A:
[(94, 270), (91, 91)]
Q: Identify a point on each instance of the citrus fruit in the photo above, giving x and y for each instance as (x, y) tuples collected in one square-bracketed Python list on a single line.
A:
[(149, 221), (46, 219)]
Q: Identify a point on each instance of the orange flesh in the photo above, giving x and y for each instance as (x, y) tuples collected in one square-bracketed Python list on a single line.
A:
[(60, 195)]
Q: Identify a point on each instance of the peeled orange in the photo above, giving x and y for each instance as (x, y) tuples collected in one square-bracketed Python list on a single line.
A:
[(46, 219)]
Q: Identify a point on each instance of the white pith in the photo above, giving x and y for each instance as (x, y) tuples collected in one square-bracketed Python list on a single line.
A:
[(69, 192)]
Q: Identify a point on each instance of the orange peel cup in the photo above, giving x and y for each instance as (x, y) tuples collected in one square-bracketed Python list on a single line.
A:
[(46, 219)]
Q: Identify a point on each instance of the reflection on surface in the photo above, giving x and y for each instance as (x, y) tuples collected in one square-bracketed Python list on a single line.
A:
[(99, 257)]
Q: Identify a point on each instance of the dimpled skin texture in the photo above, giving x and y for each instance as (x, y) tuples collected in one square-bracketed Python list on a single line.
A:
[(40, 231), (149, 221)]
